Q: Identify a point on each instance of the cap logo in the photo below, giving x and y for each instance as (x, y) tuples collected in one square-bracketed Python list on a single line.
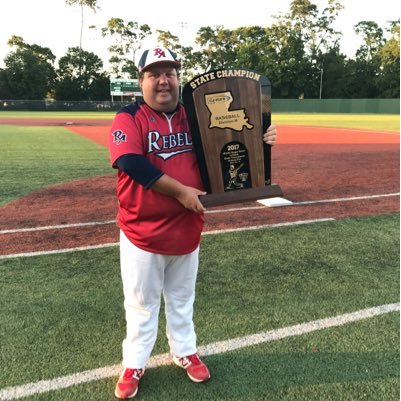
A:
[(156, 55), (159, 53)]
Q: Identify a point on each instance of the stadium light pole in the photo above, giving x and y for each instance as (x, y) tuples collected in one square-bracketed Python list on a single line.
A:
[(321, 80)]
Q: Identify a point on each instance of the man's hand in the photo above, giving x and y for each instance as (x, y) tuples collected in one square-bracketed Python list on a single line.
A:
[(270, 136), (187, 196)]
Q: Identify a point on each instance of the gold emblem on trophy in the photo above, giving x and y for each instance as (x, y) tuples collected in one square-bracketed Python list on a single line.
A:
[(220, 114)]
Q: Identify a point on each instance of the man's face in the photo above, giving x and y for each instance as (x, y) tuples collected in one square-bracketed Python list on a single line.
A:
[(160, 88)]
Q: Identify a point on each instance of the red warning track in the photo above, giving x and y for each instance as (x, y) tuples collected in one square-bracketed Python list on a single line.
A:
[(309, 163)]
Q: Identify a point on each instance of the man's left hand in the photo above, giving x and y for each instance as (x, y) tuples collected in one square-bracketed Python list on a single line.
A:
[(270, 136)]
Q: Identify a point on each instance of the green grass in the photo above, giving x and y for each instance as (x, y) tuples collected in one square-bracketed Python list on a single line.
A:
[(63, 313), (57, 114), (376, 122), (32, 158), (349, 365)]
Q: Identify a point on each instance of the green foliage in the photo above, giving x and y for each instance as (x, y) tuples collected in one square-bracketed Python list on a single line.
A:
[(29, 72), (92, 4), (80, 77), (334, 84), (128, 38), (298, 52), (389, 55)]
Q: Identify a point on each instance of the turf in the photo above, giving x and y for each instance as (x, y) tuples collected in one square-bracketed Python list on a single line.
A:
[(57, 114), (32, 158), (330, 365), (62, 314), (376, 122)]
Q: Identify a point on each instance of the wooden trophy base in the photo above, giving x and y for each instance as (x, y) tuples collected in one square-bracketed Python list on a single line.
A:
[(243, 195)]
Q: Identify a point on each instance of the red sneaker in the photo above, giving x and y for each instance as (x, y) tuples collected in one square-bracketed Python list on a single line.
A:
[(197, 371), (127, 385)]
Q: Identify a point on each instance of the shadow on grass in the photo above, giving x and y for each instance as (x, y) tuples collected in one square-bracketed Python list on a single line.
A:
[(253, 376), (257, 377)]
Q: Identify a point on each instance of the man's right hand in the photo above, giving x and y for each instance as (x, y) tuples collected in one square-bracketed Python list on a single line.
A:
[(187, 196)]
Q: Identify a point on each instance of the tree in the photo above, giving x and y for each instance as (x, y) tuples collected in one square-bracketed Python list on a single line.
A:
[(287, 64), (29, 72), (360, 77), (315, 27), (304, 35), (377, 60), (295, 52), (217, 48), (92, 4), (372, 39), (80, 77), (388, 79), (128, 39), (253, 47), (334, 79)]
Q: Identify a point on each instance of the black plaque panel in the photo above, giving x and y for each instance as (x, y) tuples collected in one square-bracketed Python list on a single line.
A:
[(235, 166)]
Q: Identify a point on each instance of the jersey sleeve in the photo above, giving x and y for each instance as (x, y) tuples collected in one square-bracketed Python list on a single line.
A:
[(125, 137), (139, 169)]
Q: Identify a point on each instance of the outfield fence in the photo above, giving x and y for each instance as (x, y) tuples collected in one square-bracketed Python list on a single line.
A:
[(54, 105), (372, 106)]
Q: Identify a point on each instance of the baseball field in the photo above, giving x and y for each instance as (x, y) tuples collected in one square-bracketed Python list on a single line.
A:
[(297, 302)]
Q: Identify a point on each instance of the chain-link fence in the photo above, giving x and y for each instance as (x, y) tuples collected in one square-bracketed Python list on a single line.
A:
[(68, 105), (381, 106)]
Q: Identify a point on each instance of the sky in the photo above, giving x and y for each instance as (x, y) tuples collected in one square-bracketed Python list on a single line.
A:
[(56, 25)]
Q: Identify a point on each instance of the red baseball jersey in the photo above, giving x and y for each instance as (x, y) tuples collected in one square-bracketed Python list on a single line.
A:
[(152, 221)]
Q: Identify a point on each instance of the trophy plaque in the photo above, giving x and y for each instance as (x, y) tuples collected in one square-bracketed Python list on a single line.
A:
[(228, 112)]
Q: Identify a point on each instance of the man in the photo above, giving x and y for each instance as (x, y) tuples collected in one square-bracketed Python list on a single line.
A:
[(161, 219)]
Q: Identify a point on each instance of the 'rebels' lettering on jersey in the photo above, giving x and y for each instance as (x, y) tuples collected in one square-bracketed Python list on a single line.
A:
[(167, 146), (152, 221), (158, 142)]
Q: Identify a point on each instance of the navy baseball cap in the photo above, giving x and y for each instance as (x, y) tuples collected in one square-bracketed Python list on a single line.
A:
[(155, 55)]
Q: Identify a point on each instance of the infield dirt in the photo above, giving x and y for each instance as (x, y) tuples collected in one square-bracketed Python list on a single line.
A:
[(309, 163)]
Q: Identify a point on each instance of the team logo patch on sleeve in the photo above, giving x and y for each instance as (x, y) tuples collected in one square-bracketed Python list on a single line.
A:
[(119, 137)]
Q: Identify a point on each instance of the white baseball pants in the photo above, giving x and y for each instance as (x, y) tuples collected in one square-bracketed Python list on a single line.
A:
[(146, 276)]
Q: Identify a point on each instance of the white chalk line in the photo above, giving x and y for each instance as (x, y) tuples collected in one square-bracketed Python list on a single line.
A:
[(111, 244), (311, 202), (43, 386), (57, 227), (57, 251), (290, 223), (238, 209)]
